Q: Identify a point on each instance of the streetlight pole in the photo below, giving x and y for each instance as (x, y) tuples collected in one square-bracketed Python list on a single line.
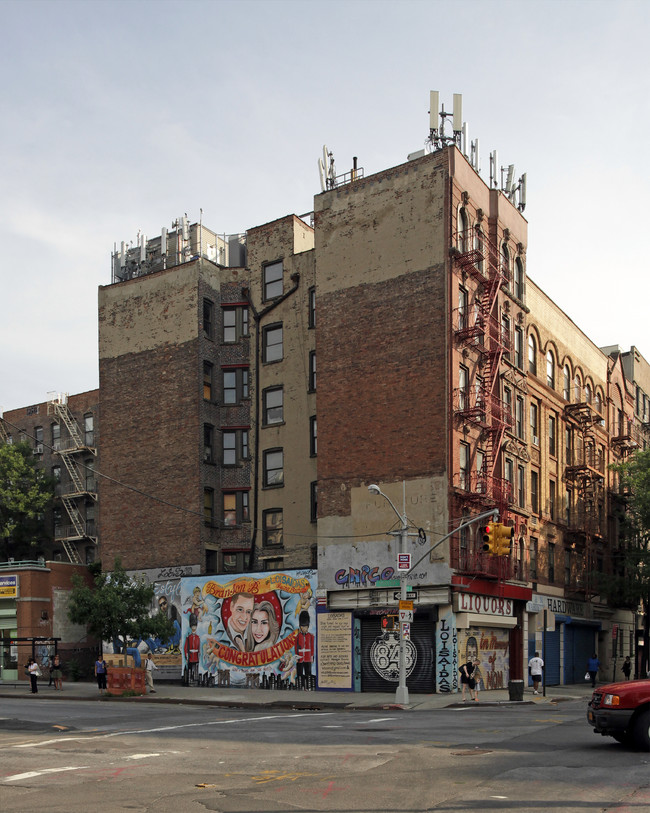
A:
[(402, 692)]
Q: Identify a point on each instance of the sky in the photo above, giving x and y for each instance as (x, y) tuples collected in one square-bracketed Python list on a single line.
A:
[(118, 116)]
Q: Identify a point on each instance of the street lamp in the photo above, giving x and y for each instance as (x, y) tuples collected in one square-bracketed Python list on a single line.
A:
[(402, 693)]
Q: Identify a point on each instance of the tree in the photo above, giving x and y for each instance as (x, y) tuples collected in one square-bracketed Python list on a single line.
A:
[(26, 492), (629, 583), (117, 608)]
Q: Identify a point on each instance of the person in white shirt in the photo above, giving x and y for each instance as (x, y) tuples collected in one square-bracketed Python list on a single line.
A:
[(150, 666), (535, 669)]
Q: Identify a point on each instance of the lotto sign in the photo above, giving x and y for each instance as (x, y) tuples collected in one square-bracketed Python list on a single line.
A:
[(406, 632), (403, 561)]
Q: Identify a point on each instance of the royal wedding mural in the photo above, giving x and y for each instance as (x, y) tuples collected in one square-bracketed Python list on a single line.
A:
[(252, 629)]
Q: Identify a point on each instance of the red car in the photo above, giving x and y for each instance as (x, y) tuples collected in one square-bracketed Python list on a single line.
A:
[(622, 711)]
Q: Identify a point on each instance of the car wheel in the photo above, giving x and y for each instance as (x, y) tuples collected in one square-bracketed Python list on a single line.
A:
[(642, 731)]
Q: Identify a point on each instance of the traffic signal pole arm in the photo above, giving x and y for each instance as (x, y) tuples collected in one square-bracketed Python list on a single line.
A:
[(486, 515)]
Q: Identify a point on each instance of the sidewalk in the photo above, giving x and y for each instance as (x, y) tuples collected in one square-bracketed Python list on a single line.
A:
[(314, 700)]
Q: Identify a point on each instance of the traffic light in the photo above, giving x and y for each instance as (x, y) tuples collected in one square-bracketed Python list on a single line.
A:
[(503, 539), (486, 534)]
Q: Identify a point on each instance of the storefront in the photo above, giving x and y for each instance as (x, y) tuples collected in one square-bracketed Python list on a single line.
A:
[(361, 582)]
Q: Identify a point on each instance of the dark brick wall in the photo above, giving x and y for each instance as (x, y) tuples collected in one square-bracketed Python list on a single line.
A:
[(381, 387)]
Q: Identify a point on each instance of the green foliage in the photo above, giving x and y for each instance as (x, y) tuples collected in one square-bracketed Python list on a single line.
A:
[(26, 492), (117, 607)]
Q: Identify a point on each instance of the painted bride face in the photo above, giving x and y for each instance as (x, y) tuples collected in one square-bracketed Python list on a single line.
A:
[(260, 625)]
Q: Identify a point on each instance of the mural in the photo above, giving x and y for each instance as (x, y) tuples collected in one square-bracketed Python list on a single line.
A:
[(256, 629), (447, 665), (491, 647)]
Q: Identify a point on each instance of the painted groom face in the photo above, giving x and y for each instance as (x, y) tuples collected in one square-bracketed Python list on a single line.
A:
[(241, 610)]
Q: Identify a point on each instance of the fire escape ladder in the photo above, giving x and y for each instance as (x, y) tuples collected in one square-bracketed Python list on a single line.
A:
[(75, 477), (59, 408), (485, 334)]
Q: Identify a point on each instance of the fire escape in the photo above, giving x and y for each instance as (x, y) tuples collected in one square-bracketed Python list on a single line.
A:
[(585, 476), (479, 329), (81, 483)]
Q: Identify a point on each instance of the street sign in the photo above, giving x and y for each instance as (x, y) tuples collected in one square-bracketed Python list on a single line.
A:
[(403, 561), (412, 594), (406, 605), (386, 583), (405, 616)]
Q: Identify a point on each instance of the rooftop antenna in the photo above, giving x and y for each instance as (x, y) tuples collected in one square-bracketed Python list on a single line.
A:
[(327, 170), (437, 136)]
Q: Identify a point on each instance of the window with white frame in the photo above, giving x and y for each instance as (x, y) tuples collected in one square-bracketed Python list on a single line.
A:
[(532, 354), (273, 406), (273, 468), (550, 369), (235, 385), (272, 349), (272, 280)]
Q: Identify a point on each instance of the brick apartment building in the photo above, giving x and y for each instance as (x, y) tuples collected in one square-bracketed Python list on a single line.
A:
[(445, 376)]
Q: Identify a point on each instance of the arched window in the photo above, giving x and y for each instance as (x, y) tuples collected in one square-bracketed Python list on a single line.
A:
[(550, 369), (577, 389), (566, 383), (532, 354), (599, 404), (479, 245), (505, 262), (461, 241), (518, 284), (588, 393)]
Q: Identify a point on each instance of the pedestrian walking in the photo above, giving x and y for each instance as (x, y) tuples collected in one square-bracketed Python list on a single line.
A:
[(150, 666), (536, 670), (467, 681), (627, 667), (101, 670), (593, 665), (56, 673)]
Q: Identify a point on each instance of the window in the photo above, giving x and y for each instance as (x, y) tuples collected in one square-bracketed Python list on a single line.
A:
[(534, 422), (208, 318), (235, 323), (272, 527), (208, 443), (552, 446), (505, 335), (313, 436), (461, 243), (56, 436), (233, 562), (90, 517), (272, 343), (551, 562), (505, 262), (566, 383), (312, 371), (551, 498), (235, 385), (313, 501), (518, 286), (272, 280), (207, 381), (568, 505), (532, 556), (519, 348), (478, 246), (464, 466), (534, 492), (277, 563), (89, 469), (38, 440), (577, 389), (312, 307), (208, 506), (588, 393), (507, 404), (235, 508), (89, 429), (56, 475), (519, 417), (234, 446), (273, 407), (463, 382), (57, 523), (532, 355), (567, 566), (509, 478), (521, 486), (273, 468), (568, 446), (481, 483), (462, 309), (550, 369)]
